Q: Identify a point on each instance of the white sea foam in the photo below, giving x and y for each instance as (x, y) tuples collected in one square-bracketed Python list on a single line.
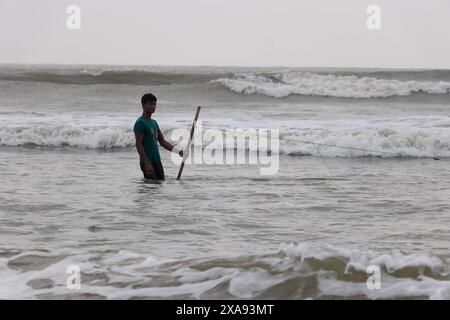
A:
[(359, 260), (419, 275), (387, 143), (383, 142), (337, 272), (313, 84), (391, 288), (416, 137)]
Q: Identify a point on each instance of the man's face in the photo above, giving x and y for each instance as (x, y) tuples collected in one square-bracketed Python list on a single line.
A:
[(150, 107)]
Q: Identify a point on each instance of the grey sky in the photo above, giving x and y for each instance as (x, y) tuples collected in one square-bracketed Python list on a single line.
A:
[(323, 33)]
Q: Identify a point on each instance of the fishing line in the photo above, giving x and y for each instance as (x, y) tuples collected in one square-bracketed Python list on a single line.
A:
[(342, 147)]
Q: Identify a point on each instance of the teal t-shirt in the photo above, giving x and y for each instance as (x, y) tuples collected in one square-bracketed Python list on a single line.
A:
[(149, 128)]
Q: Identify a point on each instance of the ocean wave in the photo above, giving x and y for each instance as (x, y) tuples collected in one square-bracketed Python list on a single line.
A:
[(128, 76), (278, 83), (295, 271), (380, 142), (351, 143), (100, 137), (288, 83)]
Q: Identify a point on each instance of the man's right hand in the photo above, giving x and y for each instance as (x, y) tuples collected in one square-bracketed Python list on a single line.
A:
[(148, 168)]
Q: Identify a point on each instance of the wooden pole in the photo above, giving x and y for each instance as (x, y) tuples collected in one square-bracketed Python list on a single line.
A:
[(186, 151)]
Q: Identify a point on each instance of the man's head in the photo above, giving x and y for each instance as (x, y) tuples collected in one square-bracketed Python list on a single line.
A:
[(148, 102)]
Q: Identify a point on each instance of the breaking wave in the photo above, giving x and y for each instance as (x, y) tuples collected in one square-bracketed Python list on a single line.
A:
[(294, 271), (288, 83), (278, 83), (129, 76), (362, 142)]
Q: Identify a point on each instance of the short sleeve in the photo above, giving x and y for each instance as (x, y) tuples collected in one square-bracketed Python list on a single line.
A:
[(157, 126), (139, 127)]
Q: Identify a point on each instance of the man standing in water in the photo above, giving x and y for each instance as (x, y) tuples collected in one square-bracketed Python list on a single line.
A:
[(147, 134)]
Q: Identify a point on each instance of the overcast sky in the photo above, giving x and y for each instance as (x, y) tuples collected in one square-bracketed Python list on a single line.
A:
[(302, 33)]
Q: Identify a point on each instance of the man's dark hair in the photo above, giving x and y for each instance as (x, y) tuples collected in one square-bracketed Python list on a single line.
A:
[(148, 97)]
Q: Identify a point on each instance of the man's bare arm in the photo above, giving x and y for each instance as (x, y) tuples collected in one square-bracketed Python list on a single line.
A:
[(165, 144)]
